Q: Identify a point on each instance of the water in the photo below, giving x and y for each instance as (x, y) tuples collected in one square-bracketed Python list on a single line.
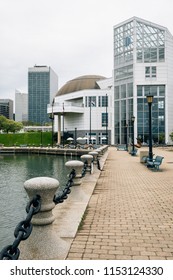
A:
[(14, 171)]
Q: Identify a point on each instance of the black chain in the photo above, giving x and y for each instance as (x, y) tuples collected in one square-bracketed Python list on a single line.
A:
[(98, 164), (22, 230), (64, 194), (84, 168)]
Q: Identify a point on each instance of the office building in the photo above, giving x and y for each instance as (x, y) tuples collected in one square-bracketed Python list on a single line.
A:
[(21, 106), (143, 64), (42, 86), (6, 108)]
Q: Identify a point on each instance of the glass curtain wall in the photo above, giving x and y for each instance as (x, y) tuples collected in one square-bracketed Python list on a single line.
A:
[(158, 113)]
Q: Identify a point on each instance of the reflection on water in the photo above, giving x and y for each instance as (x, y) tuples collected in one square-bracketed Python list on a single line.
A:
[(14, 171)]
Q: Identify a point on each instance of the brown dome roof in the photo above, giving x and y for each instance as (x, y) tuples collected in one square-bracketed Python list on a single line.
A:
[(80, 83)]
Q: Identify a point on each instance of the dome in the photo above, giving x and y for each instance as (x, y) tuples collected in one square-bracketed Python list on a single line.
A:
[(80, 83)]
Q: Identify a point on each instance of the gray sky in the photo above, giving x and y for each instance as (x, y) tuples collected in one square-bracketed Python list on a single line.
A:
[(73, 37)]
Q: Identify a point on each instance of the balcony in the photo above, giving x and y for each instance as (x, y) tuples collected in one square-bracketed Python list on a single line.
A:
[(66, 107)]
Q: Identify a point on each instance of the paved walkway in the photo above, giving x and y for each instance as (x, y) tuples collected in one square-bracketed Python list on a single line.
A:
[(130, 213)]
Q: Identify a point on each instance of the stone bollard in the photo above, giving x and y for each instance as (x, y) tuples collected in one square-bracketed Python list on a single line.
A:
[(99, 153), (95, 155), (89, 159), (45, 187), (77, 165)]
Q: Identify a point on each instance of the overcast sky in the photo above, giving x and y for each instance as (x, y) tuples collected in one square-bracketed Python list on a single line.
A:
[(73, 37)]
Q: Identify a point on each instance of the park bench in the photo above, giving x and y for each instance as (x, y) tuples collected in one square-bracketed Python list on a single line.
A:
[(1, 145), (155, 163)]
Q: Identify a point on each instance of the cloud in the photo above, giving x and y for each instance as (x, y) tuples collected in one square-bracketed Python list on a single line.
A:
[(73, 37)]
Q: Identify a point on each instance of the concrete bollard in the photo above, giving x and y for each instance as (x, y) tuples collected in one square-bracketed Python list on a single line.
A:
[(45, 187), (99, 151), (89, 159), (95, 155), (77, 165)]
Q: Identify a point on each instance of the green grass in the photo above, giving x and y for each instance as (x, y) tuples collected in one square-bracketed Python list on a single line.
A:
[(29, 138)]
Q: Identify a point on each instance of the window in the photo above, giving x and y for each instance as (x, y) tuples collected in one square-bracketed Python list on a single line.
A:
[(103, 101), (90, 100), (104, 119), (139, 90), (147, 72), (150, 72)]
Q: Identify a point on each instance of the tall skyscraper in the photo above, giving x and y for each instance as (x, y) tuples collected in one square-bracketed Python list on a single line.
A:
[(42, 87), (21, 106), (6, 108)]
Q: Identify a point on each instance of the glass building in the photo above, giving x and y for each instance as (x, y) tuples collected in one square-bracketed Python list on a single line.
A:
[(143, 63), (42, 87)]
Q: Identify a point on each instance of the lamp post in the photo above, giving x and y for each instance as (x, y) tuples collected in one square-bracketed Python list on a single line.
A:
[(126, 137), (91, 104), (75, 137), (63, 125), (133, 144), (52, 118), (106, 119), (150, 101)]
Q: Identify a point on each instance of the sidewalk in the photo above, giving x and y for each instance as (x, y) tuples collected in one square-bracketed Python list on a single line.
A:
[(130, 213)]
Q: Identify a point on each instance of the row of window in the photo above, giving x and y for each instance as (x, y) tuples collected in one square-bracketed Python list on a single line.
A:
[(124, 91), (93, 101), (155, 90)]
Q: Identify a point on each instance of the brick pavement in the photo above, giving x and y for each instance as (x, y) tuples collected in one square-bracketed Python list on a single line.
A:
[(130, 213)]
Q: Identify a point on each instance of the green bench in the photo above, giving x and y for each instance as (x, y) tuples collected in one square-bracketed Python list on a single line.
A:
[(155, 163)]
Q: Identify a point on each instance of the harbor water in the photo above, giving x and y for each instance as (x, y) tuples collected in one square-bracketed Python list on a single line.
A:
[(14, 171)]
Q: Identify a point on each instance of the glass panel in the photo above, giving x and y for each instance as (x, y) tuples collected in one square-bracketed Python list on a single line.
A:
[(161, 90), (123, 91), (147, 72), (153, 71), (139, 90), (117, 92), (150, 43), (130, 90)]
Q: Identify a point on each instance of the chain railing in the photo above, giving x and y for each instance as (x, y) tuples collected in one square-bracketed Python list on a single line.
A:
[(22, 230), (64, 194)]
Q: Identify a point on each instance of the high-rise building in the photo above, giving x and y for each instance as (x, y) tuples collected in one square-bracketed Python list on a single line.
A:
[(6, 108), (143, 64), (42, 86), (21, 106)]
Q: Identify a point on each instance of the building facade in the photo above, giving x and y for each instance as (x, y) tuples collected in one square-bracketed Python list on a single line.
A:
[(143, 64), (42, 87), (83, 108), (6, 108), (21, 106)]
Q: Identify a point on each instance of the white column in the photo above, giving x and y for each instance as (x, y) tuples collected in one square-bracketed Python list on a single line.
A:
[(59, 130)]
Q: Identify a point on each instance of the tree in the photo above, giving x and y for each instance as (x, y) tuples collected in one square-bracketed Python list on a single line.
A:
[(9, 125), (2, 121)]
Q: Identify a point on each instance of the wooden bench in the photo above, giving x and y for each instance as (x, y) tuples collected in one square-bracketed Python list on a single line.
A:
[(155, 163)]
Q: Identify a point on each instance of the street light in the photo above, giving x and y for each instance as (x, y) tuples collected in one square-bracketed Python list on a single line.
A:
[(106, 119), (126, 136), (63, 125), (150, 101), (75, 137), (92, 103), (51, 116), (133, 144)]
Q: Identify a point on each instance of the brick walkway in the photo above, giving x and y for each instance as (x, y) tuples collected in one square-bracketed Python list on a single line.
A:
[(130, 214)]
